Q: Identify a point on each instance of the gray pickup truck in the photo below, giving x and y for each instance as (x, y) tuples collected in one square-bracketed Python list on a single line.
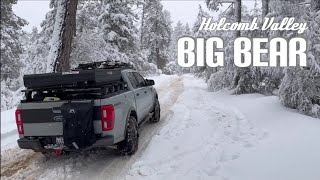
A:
[(95, 105)]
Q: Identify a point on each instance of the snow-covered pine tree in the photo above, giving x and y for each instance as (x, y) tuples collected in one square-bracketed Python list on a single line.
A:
[(157, 30), (222, 77), (172, 66), (89, 44), (195, 29), (300, 88), (117, 21), (11, 48), (200, 71), (38, 48), (241, 82), (188, 31), (106, 30)]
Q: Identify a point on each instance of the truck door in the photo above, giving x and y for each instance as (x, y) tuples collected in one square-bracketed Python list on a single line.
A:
[(147, 92), (139, 96)]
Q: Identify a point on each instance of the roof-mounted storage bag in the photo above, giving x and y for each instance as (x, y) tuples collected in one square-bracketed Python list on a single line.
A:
[(78, 131), (90, 74), (74, 78)]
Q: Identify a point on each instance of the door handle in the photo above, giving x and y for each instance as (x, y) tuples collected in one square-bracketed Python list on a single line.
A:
[(145, 92), (138, 94)]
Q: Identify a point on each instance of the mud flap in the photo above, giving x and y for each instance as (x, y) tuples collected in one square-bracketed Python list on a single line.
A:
[(78, 131)]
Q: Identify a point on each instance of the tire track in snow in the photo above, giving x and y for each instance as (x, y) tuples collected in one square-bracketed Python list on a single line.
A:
[(212, 135)]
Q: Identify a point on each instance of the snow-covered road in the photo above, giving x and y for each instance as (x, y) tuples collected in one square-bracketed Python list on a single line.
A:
[(201, 135)]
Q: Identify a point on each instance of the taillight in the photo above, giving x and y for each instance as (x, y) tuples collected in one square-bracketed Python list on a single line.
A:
[(19, 122), (107, 117)]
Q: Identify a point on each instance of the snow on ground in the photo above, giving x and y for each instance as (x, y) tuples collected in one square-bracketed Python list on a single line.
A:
[(291, 150), (227, 137), (9, 133), (202, 136)]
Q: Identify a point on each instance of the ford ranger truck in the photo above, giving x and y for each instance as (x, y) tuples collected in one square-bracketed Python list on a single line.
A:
[(95, 105)]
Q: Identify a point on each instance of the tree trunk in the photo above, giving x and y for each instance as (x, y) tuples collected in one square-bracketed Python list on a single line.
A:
[(241, 80), (142, 28), (62, 63), (265, 8), (158, 58), (237, 5)]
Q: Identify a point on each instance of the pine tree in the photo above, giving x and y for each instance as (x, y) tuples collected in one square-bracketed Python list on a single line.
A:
[(187, 30), (195, 29), (117, 21), (172, 66), (157, 30), (300, 88), (11, 52), (11, 48)]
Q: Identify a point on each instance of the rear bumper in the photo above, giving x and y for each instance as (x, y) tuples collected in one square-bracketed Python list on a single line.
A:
[(33, 144), (36, 145)]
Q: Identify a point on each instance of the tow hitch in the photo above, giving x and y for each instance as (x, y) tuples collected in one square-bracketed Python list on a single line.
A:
[(58, 152)]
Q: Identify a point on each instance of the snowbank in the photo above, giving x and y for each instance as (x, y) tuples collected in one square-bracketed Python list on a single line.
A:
[(9, 133), (291, 150)]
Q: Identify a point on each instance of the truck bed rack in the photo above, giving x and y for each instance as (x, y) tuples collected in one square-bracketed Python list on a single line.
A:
[(75, 93), (85, 75)]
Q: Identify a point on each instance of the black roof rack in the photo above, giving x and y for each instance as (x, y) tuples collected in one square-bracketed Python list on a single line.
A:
[(104, 65)]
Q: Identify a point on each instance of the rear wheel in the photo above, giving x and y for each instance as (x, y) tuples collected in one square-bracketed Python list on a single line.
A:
[(156, 112), (130, 144)]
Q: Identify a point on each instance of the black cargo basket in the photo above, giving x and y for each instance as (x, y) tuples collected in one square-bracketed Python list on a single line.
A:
[(78, 130)]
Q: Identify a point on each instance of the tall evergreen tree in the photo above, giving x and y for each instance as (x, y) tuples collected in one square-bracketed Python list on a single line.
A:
[(300, 87), (11, 48), (187, 30), (172, 66), (117, 21), (157, 30)]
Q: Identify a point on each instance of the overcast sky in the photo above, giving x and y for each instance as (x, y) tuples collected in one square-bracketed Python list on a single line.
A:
[(34, 11)]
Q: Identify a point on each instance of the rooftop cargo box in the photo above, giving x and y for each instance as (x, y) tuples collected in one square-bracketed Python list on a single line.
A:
[(73, 78)]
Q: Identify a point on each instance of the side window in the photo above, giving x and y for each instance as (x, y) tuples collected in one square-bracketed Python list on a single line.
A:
[(140, 79), (132, 80)]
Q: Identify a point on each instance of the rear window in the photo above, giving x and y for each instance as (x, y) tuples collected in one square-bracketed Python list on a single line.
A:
[(133, 80), (140, 79)]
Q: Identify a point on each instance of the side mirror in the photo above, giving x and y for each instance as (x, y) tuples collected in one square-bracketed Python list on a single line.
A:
[(150, 82)]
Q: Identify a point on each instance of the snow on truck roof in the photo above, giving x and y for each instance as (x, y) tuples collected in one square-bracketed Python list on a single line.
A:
[(104, 65)]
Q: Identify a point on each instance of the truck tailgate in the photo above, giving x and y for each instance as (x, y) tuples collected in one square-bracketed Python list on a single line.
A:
[(45, 118)]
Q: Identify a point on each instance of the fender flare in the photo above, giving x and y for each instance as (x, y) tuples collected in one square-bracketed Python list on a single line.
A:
[(131, 110)]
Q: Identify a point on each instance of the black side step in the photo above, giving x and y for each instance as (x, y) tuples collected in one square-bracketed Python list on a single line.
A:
[(148, 117)]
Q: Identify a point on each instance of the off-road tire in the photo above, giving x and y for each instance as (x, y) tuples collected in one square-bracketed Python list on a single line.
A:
[(130, 144), (156, 112)]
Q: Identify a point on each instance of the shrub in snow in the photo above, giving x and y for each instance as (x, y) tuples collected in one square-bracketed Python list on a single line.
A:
[(299, 91), (10, 93), (219, 80)]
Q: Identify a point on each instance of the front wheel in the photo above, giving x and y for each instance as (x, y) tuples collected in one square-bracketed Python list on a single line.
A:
[(156, 112), (130, 144)]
